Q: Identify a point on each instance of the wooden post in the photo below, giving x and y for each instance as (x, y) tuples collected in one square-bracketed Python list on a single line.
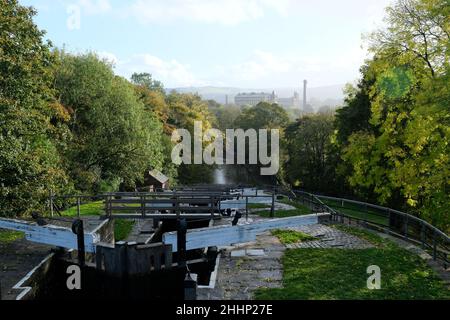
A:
[(434, 246), (177, 206), (78, 229), (142, 206), (51, 203), (246, 208), (78, 207), (272, 208), (212, 207), (422, 235), (406, 227)]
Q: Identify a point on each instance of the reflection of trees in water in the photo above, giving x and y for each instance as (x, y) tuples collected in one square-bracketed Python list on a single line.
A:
[(241, 174)]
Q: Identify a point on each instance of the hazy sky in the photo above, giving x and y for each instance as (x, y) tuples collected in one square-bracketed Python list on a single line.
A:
[(240, 43)]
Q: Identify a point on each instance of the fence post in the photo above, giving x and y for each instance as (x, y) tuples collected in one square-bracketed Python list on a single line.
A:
[(181, 242), (51, 203), (422, 235), (177, 206), (143, 206), (212, 207), (434, 246), (78, 229), (246, 208), (366, 214), (406, 227), (389, 218), (272, 208), (78, 207)]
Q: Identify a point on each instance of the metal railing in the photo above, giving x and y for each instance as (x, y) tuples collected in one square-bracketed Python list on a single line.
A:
[(390, 221)]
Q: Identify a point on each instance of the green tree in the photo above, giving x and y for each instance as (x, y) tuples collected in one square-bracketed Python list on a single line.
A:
[(262, 116), (146, 80), (311, 162), (115, 138), (32, 123), (405, 159)]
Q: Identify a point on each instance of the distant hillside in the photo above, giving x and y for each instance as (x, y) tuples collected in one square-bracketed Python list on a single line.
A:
[(319, 96)]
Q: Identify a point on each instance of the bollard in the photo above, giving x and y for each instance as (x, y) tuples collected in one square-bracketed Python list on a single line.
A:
[(190, 288), (181, 242), (78, 207), (78, 229)]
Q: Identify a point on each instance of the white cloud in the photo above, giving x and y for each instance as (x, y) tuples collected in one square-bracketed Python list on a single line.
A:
[(108, 56), (267, 68), (171, 72), (260, 69), (93, 7), (225, 12)]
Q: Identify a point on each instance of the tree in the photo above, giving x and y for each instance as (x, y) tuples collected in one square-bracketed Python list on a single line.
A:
[(404, 158), (32, 123), (115, 138), (146, 80), (417, 29), (225, 115), (354, 116), (263, 116), (310, 163)]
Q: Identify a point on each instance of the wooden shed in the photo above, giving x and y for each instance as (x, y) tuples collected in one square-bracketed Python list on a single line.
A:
[(155, 179)]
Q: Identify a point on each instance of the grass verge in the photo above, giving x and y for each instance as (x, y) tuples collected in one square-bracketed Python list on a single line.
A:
[(7, 236), (258, 206), (86, 209), (330, 274), (291, 236), (122, 228), (355, 211), (285, 213)]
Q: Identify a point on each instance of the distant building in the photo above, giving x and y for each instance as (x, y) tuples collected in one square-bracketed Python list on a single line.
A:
[(292, 102), (253, 98)]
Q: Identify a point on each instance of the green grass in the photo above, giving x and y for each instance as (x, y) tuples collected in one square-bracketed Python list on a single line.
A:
[(291, 236), (285, 213), (122, 228), (356, 211), (331, 274), (292, 203), (87, 209), (369, 236), (258, 205), (7, 236)]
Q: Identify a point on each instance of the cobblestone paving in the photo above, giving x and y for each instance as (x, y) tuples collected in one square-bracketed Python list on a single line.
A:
[(240, 273), (329, 238)]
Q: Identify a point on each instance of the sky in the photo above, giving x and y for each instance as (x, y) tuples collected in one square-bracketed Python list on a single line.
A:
[(229, 43)]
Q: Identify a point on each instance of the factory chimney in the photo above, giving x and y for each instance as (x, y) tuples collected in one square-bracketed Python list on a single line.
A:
[(305, 84)]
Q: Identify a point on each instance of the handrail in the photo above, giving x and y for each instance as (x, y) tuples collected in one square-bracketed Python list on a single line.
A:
[(440, 232)]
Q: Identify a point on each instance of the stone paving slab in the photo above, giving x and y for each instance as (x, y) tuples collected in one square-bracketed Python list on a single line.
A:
[(240, 274), (16, 260)]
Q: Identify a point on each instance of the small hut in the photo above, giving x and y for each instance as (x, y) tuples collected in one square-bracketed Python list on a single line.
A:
[(155, 179)]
